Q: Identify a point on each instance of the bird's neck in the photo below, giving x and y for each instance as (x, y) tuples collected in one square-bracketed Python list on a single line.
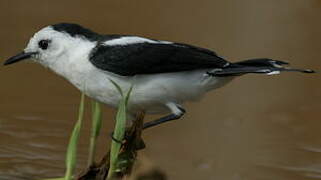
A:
[(74, 64)]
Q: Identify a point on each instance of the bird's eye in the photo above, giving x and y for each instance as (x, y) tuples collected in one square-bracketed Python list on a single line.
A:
[(43, 44)]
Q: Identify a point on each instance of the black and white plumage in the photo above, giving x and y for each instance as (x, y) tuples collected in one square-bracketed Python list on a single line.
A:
[(152, 58), (164, 74)]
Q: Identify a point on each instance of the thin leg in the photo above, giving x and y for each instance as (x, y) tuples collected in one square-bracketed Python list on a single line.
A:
[(177, 110), (156, 122), (178, 113)]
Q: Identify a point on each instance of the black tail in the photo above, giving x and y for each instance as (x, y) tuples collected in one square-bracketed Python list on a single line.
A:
[(261, 66)]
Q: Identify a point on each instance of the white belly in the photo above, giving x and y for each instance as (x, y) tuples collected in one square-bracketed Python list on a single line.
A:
[(151, 92)]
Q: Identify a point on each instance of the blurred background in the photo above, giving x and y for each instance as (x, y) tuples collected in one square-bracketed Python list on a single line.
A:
[(257, 127)]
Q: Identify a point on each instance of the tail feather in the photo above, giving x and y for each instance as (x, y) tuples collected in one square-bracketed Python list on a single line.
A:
[(260, 66)]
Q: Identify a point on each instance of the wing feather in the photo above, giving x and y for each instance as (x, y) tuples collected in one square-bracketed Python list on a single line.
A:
[(153, 58)]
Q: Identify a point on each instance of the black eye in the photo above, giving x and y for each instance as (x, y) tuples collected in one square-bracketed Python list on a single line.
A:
[(43, 44)]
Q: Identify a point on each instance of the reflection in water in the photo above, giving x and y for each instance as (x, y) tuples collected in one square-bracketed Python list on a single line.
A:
[(254, 128)]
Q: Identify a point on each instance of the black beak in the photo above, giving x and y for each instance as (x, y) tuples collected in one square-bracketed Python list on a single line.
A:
[(19, 57)]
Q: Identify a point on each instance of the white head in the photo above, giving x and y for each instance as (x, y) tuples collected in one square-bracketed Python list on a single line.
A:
[(54, 43)]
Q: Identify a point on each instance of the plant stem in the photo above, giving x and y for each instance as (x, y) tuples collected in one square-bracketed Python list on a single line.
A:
[(119, 133), (96, 126), (73, 142)]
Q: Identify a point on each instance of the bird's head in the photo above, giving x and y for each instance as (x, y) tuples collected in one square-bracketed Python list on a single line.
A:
[(52, 42)]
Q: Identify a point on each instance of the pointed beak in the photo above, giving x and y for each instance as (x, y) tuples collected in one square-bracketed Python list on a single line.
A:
[(19, 57)]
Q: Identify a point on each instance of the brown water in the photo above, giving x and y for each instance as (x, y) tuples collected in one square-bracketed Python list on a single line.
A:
[(257, 127)]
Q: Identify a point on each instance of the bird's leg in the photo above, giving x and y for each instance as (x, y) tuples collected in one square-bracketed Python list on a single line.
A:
[(161, 120), (156, 122), (178, 112)]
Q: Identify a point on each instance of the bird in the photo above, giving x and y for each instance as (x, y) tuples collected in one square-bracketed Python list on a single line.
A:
[(163, 74)]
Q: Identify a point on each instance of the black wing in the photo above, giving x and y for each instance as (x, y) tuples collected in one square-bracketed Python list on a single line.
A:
[(153, 58)]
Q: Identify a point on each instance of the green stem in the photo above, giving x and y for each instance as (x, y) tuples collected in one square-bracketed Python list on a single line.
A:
[(96, 126), (73, 142), (119, 133)]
